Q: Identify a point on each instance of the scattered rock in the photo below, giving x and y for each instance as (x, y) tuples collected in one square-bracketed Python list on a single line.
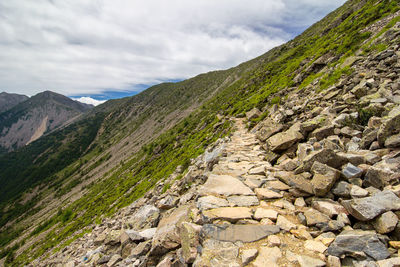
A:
[(268, 257), (358, 244), (386, 222), (224, 185), (368, 208), (249, 255)]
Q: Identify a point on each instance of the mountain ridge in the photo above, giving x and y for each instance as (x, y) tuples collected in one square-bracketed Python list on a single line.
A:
[(30, 119)]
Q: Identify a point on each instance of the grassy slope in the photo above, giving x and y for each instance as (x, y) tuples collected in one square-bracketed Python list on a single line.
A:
[(339, 33)]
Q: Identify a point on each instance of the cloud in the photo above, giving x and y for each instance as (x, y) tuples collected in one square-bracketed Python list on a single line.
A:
[(89, 100), (83, 47)]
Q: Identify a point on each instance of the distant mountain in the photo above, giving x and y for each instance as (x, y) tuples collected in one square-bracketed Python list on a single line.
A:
[(8, 101), (26, 121)]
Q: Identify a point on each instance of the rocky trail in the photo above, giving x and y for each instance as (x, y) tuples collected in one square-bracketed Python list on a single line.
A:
[(316, 183)]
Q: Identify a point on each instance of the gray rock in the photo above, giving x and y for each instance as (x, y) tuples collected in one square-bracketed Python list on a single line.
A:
[(324, 178), (390, 126), (166, 237), (342, 189), (359, 244), (323, 132), (233, 233), (284, 140), (393, 141), (350, 171), (386, 222), (295, 181), (314, 217), (324, 156), (211, 202), (368, 208), (218, 253), (378, 177), (142, 248), (267, 129), (146, 217), (114, 260), (243, 201)]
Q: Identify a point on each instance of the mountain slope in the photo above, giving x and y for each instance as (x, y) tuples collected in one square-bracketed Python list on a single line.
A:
[(142, 140), (30, 119), (7, 101)]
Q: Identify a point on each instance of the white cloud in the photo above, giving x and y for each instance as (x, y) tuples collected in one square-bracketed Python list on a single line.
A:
[(89, 100), (82, 47)]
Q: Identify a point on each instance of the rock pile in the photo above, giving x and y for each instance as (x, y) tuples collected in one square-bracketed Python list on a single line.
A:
[(314, 184)]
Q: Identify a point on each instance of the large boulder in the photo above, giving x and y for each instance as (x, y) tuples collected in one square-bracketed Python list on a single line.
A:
[(378, 177), (390, 126), (367, 208), (324, 156), (295, 181), (268, 128), (167, 236), (363, 245), (324, 178), (284, 140), (146, 217)]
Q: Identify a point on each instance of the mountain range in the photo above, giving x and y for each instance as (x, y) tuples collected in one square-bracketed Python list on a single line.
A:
[(24, 120), (163, 177)]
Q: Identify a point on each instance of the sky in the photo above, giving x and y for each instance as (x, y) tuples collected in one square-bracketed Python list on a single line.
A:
[(101, 49)]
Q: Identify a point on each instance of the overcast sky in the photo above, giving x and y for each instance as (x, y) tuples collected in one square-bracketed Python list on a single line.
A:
[(111, 48)]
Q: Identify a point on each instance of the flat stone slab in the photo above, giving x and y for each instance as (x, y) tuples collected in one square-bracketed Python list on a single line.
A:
[(211, 202), (225, 185), (264, 193), (233, 233), (367, 208), (243, 201), (230, 213)]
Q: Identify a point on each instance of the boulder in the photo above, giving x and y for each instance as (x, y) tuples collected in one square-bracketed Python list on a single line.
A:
[(146, 217), (268, 128), (378, 177), (285, 224), (253, 114), (314, 217), (232, 233), (262, 213), (386, 222), (211, 202), (350, 171), (324, 156), (218, 253), (324, 178), (367, 208), (328, 207), (295, 181), (189, 235), (390, 126), (358, 244), (393, 141), (283, 140), (323, 132), (167, 236)]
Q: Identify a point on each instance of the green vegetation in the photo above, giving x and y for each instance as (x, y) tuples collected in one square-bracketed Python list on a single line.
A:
[(233, 92)]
